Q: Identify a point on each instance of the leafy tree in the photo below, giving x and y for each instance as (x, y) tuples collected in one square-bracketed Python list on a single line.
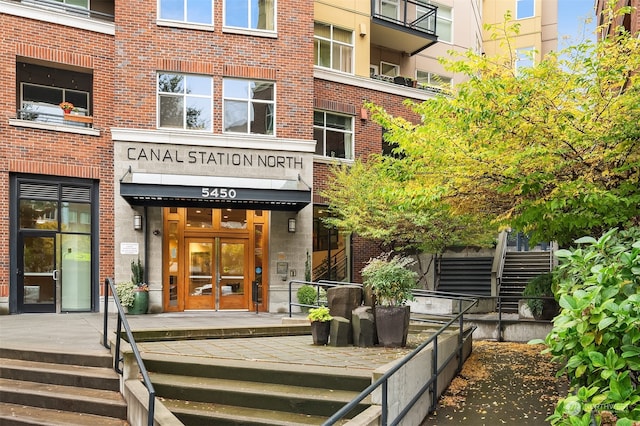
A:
[(552, 150), (597, 334)]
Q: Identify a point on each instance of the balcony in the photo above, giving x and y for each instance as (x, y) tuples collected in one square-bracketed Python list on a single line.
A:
[(53, 117), (403, 25), (102, 10)]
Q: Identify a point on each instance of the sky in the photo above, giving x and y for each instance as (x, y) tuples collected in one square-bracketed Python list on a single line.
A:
[(571, 21)]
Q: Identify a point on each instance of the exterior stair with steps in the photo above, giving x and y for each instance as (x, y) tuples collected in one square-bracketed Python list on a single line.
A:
[(233, 392), (55, 388), (519, 268)]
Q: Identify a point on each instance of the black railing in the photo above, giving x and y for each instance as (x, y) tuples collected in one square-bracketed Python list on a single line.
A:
[(69, 9), (407, 15), (446, 323), (109, 286)]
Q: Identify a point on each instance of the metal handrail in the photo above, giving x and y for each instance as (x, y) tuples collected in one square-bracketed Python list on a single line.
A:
[(122, 320), (432, 383)]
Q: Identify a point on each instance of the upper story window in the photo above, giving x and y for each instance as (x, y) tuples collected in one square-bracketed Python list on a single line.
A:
[(250, 14), (444, 22), (524, 58), (333, 47), (524, 9), (184, 101), (389, 8), (333, 134), (432, 79), (249, 106), (187, 11), (42, 90)]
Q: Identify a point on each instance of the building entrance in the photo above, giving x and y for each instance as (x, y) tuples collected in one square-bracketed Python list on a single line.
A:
[(214, 259)]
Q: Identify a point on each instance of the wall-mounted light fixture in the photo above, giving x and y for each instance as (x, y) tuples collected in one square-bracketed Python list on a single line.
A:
[(137, 222), (292, 225)]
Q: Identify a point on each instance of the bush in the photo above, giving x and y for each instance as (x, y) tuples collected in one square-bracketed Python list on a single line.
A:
[(319, 314), (597, 334), (539, 286), (125, 292), (308, 295), (390, 280)]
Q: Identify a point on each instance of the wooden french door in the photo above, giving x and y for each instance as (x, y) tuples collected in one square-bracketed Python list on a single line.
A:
[(217, 273)]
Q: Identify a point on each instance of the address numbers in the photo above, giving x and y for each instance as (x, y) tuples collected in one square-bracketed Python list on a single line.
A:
[(219, 193)]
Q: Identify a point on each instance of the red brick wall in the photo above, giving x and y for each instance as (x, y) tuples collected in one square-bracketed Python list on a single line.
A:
[(368, 139), (48, 152), (144, 48)]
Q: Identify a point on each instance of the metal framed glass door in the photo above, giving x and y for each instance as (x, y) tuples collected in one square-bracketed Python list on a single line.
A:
[(37, 272), (217, 273)]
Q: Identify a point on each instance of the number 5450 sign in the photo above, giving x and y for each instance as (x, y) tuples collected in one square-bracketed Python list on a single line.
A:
[(219, 193)]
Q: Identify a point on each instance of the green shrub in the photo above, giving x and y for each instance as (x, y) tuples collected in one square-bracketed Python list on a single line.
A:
[(125, 293), (596, 336), (390, 280), (319, 314), (539, 286), (308, 295)]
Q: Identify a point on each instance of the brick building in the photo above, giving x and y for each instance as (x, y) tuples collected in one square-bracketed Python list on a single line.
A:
[(200, 135)]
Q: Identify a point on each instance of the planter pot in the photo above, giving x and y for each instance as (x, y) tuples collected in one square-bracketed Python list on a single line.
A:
[(550, 309), (320, 332), (392, 325), (140, 303)]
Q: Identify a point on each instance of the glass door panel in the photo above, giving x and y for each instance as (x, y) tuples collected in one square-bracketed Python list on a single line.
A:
[(200, 274), (76, 273), (37, 280), (234, 289)]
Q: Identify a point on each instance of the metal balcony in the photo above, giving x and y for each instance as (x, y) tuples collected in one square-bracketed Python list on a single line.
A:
[(404, 25), (102, 10)]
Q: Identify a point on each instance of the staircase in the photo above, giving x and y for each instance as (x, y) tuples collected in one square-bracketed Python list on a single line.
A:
[(53, 388), (230, 392), (466, 275), (520, 267)]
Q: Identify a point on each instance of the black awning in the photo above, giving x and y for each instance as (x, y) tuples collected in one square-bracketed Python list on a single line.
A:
[(213, 192)]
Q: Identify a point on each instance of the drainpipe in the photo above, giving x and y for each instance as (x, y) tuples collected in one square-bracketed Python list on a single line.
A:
[(146, 246)]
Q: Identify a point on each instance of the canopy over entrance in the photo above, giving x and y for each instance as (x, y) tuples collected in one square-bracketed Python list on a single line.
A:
[(169, 190)]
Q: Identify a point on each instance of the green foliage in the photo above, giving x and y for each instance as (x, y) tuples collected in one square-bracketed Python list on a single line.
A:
[(137, 272), (125, 292), (597, 334), (310, 295), (389, 279), (539, 286), (319, 314), (553, 150)]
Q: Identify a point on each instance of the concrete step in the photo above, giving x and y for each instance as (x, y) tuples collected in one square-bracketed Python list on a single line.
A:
[(66, 398), (336, 378), (60, 374), (205, 414), (255, 395), (14, 415), (87, 360)]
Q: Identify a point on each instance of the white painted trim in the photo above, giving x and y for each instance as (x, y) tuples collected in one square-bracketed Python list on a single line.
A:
[(47, 15), (213, 140), (56, 127)]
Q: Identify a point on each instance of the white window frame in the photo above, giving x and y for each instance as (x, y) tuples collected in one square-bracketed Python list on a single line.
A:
[(391, 67), (394, 4), (533, 9), (248, 28), (349, 150), (440, 21), (525, 57), (433, 79), (185, 105), (46, 112), (185, 22), (332, 46), (270, 112)]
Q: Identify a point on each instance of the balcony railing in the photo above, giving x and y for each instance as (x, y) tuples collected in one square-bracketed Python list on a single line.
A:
[(415, 15), (68, 9), (71, 120)]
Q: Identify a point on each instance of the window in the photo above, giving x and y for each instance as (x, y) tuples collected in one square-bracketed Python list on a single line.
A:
[(249, 106), (388, 69), (250, 14), (42, 89), (333, 134), (444, 22), (524, 9), (524, 58), (432, 79), (333, 47), (389, 9), (184, 101), (191, 11), (80, 3)]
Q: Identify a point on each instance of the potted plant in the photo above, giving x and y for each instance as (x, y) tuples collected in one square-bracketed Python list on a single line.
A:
[(391, 282), (125, 292), (67, 107), (140, 303), (541, 286), (320, 324)]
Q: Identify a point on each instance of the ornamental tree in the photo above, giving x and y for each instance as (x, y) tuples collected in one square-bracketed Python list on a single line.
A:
[(552, 150)]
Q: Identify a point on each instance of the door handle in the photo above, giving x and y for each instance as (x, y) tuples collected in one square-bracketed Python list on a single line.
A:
[(55, 275)]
